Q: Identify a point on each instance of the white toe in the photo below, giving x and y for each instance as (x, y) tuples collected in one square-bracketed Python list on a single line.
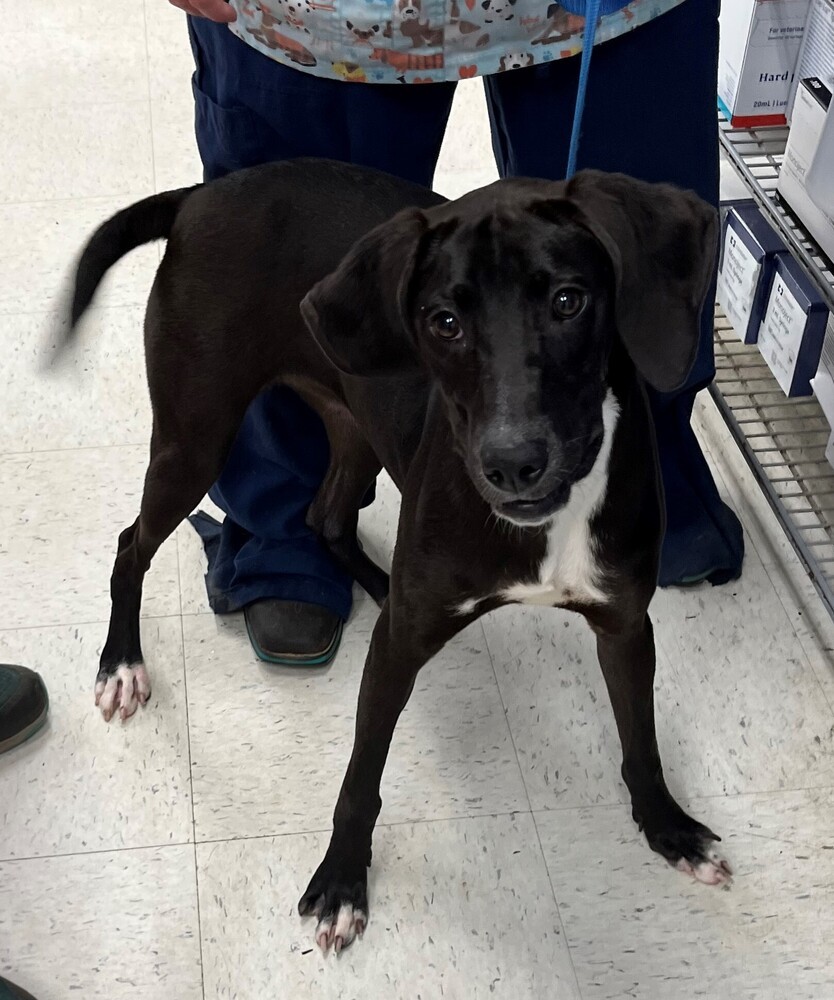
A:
[(127, 693), (712, 871), (124, 691), (341, 930), (142, 682), (324, 931), (107, 699)]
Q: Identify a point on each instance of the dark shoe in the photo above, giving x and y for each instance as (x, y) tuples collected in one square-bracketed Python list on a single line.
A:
[(8, 991), (24, 704), (293, 633)]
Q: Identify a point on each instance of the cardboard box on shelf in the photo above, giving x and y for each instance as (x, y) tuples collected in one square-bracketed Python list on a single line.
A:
[(812, 101), (816, 53), (749, 245), (826, 364), (823, 384), (793, 328), (819, 181), (759, 47), (733, 187)]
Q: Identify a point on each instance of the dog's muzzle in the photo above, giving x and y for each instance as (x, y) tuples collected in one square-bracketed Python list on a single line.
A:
[(528, 481), (521, 488)]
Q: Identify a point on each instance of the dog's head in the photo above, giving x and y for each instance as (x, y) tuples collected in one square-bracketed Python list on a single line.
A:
[(514, 60), (511, 298), (501, 10), (409, 10), (362, 34)]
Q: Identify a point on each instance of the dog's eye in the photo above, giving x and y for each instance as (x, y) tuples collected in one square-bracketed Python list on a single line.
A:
[(445, 325), (569, 302)]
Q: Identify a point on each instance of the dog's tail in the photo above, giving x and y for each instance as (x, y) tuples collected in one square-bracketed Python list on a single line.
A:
[(147, 220)]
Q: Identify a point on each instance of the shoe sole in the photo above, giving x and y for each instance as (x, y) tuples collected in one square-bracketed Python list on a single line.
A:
[(27, 733), (297, 659)]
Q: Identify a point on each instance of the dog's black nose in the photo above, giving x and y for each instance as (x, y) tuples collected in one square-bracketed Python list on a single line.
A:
[(515, 468)]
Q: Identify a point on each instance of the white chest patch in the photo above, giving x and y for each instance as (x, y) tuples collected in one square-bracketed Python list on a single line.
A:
[(570, 572)]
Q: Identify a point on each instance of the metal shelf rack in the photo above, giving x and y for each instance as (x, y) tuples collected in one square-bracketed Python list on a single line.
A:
[(783, 440)]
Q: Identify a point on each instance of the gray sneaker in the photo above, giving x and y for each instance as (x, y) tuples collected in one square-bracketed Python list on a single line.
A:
[(24, 705)]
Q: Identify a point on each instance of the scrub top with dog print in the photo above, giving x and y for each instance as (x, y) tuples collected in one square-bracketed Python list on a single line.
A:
[(423, 41)]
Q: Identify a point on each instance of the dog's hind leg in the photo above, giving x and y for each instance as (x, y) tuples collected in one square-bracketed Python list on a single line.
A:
[(178, 476), (334, 513)]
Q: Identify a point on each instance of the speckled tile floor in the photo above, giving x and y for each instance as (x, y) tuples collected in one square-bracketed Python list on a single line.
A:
[(163, 859)]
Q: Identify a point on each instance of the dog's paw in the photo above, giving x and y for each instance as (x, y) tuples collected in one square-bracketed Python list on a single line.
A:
[(338, 896), (340, 929), (711, 868), (122, 691), (689, 847)]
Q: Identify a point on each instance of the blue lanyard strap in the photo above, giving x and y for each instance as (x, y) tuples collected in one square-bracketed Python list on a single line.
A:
[(591, 10), (591, 18)]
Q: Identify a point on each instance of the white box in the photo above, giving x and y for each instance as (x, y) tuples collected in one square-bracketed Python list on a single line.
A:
[(812, 100), (826, 364), (760, 41), (823, 385), (816, 54), (793, 329), (749, 246)]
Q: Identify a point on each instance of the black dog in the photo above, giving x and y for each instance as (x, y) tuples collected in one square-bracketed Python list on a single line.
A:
[(490, 354)]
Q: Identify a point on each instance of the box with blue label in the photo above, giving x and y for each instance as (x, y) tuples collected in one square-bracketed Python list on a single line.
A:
[(749, 245), (793, 328)]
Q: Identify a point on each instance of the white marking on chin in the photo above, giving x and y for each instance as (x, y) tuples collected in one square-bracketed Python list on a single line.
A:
[(570, 571), (123, 691), (341, 930)]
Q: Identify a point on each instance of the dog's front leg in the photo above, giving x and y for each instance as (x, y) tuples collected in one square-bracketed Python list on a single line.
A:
[(627, 657), (404, 639)]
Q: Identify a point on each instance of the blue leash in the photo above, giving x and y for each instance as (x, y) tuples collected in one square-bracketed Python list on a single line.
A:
[(591, 9), (591, 18)]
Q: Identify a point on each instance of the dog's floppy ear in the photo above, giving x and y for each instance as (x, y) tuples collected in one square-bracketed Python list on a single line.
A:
[(662, 243), (356, 314)]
